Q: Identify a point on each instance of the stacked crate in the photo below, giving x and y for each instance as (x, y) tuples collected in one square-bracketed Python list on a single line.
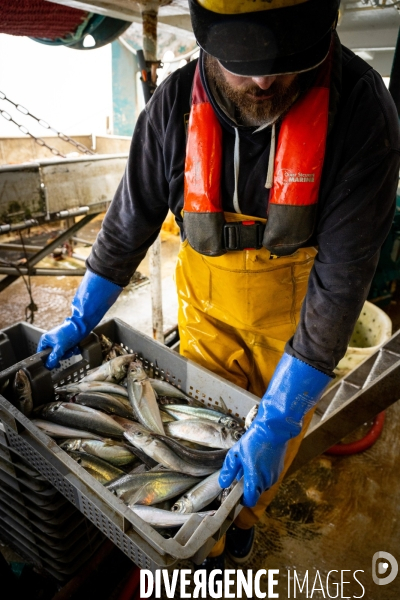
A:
[(38, 522)]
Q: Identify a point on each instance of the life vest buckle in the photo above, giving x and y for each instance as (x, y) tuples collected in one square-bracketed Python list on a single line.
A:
[(245, 235)]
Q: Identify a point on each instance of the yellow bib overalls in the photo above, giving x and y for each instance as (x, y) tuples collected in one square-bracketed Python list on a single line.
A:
[(236, 313)]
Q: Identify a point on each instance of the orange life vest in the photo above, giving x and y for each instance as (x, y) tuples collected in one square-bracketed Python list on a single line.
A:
[(297, 176)]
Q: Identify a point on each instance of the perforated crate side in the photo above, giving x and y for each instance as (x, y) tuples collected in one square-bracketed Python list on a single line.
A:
[(116, 535), (81, 502), (43, 466)]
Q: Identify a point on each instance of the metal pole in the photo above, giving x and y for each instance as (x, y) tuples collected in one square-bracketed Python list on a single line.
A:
[(394, 86), (156, 291), (38, 271), (150, 54), (150, 34), (14, 247)]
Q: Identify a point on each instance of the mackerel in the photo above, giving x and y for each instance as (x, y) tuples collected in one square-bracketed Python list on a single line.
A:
[(23, 392), (200, 496), (114, 370), (164, 518), (151, 487), (81, 417), (92, 386), (143, 398), (179, 412), (201, 431), (163, 388), (108, 403), (132, 426), (162, 454), (113, 452), (209, 458), (59, 431), (98, 468)]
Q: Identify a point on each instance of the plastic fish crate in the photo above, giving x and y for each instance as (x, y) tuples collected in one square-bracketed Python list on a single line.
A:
[(17, 342), (62, 541), (142, 543), (35, 519)]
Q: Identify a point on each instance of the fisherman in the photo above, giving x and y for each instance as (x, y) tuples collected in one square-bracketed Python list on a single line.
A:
[(278, 153)]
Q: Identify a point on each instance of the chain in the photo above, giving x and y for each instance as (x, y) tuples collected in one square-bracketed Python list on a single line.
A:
[(81, 147)]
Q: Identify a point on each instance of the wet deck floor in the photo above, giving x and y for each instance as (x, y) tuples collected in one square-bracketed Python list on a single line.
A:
[(335, 514)]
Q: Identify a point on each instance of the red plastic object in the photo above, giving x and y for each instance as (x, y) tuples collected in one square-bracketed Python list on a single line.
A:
[(363, 444)]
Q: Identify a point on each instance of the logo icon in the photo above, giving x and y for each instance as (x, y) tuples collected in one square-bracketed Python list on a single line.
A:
[(380, 568)]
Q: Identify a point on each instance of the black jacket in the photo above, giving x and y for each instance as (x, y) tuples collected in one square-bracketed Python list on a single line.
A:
[(355, 209)]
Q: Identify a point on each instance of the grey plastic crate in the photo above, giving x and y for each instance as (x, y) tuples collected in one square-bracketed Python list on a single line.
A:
[(143, 544), (35, 519), (17, 342)]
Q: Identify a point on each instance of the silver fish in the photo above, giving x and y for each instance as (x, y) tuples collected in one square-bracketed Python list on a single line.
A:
[(203, 432), (181, 411), (108, 403), (163, 388), (164, 518), (209, 458), (92, 386), (113, 452), (98, 468), (111, 355), (226, 491), (59, 431), (81, 417), (106, 343), (113, 370), (251, 415), (165, 417), (143, 399), (160, 452), (151, 487), (23, 392), (132, 426), (128, 424), (200, 496)]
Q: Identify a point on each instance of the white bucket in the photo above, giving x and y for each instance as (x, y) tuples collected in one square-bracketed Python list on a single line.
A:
[(373, 328)]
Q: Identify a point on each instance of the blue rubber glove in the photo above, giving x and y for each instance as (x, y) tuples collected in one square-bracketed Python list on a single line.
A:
[(92, 300), (259, 455)]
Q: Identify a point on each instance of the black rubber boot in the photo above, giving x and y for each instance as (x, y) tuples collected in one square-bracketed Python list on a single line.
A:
[(239, 544)]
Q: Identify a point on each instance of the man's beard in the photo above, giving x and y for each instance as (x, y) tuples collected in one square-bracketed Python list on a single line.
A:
[(252, 113)]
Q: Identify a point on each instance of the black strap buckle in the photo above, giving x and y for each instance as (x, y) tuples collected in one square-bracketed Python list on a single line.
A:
[(245, 235)]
